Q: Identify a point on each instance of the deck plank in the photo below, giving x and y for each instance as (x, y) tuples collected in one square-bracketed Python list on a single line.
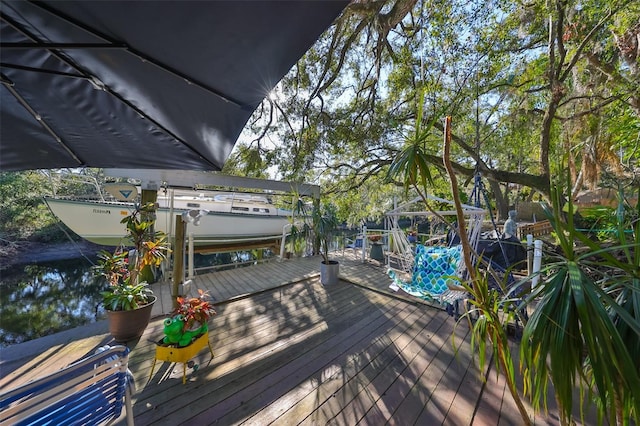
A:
[(233, 281), (359, 344), (374, 380), (270, 342), (417, 354), (212, 285), (293, 368)]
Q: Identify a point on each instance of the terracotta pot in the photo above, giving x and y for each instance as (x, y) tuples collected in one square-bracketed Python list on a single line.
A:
[(126, 326)]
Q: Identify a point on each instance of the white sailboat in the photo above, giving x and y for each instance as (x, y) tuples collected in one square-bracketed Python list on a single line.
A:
[(225, 217)]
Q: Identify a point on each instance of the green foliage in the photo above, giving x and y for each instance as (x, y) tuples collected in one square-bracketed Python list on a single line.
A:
[(623, 131), (342, 113), (412, 165), (123, 267), (22, 209), (585, 330), (23, 213), (325, 225), (373, 198), (492, 308), (300, 228), (604, 222)]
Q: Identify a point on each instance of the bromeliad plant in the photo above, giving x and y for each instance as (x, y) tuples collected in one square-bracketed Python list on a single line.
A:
[(124, 267), (188, 321), (195, 311)]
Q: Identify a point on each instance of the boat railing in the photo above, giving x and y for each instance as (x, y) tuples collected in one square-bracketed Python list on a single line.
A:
[(62, 179)]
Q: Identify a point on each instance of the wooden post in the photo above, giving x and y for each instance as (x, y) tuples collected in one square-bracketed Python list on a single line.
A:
[(149, 196), (178, 259), (363, 254), (316, 244)]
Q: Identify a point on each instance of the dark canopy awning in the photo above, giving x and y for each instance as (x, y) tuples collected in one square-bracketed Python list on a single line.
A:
[(142, 84)]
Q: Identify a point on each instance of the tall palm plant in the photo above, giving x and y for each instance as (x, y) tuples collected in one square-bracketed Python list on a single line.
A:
[(412, 166), (585, 330), (300, 228), (325, 224)]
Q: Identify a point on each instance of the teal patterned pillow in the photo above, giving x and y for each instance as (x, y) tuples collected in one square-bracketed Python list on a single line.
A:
[(434, 267)]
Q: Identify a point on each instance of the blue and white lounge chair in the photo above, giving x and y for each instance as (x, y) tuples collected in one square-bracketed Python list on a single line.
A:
[(92, 391)]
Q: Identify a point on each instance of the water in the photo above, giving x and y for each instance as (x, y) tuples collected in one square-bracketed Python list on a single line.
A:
[(46, 298)]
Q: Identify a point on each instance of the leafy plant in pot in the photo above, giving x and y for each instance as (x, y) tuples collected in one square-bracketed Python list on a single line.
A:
[(128, 300), (300, 228), (325, 223), (189, 320)]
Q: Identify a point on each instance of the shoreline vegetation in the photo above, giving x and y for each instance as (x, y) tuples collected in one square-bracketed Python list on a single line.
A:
[(26, 252)]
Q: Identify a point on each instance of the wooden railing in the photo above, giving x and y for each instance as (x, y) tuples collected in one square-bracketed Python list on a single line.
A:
[(536, 229)]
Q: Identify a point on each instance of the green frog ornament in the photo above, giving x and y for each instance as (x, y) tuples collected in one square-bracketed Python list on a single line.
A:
[(175, 333)]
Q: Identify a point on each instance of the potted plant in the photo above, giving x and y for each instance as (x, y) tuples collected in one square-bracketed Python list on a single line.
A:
[(189, 320), (185, 333), (300, 229), (374, 238), (376, 252), (325, 223), (129, 300)]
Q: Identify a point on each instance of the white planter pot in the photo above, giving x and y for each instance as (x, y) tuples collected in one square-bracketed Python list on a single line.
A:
[(329, 273)]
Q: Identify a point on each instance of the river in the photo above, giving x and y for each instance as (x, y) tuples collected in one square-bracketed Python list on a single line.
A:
[(48, 297), (48, 288)]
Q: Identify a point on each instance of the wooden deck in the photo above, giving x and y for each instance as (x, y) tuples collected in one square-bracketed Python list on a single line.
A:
[(290, 351)]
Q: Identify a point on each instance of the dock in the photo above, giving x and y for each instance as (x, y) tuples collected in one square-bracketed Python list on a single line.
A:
[(291, 351)]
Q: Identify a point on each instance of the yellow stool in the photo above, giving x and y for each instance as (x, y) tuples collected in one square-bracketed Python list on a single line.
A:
[(184, 354)]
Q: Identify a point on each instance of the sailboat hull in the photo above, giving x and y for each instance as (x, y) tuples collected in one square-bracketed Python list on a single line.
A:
[(100, 222)]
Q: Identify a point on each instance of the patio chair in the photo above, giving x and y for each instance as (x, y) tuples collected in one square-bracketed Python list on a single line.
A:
[(355, 244), (92, 391)]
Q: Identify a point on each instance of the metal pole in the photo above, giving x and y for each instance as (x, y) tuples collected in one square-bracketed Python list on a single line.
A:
[(364, 243), (190, 256), (537, 262)]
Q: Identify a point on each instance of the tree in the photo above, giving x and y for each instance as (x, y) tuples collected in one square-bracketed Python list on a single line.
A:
[(21, 208), (515, 86)]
